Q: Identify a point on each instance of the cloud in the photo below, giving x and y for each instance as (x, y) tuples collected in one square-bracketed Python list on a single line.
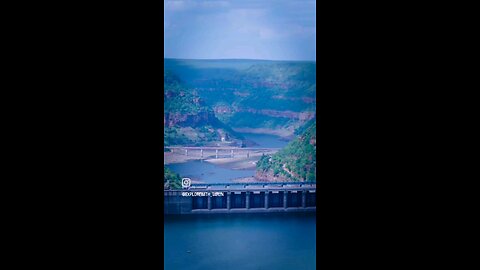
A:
[(183, 5), (240, 29), (173, 5)]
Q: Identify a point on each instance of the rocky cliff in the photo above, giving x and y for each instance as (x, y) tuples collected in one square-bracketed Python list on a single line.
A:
[(255, 94), (187, 119), (198, 119)]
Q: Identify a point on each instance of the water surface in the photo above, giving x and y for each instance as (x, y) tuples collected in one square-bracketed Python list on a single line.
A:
[(265, 140), (208, 172), (243, 242)]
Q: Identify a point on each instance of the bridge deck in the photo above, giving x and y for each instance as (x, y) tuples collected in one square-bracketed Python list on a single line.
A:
[(220, 148)]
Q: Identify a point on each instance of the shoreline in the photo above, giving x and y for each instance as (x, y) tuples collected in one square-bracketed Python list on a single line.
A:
[(283, 133), (236, 163)]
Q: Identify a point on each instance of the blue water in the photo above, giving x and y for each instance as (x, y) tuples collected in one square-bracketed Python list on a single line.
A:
[(265, 140), (280, 241), (210, 173), (207, 172), (244, 242)]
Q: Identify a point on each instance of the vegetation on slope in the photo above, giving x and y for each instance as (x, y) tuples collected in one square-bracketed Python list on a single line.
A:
[(244, 89), (171, 180), (188, 121), (305, 126), (296, 162), (177, 98)]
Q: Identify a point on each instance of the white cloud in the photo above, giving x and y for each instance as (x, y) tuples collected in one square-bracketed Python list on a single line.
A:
[(175, 5), (182, 5), (239, 29)]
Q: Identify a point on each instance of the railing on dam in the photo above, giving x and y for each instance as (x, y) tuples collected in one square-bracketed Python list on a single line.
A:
[(242, 198), (254, 184)]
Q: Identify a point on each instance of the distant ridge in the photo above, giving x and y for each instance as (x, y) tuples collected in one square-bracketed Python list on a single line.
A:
[(237, 59), (257, 95)]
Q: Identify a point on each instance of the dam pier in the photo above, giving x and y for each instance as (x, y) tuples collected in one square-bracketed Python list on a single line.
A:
[(241, 198)]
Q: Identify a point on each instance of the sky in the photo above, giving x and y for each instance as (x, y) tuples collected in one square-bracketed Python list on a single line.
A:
[(240, 29)]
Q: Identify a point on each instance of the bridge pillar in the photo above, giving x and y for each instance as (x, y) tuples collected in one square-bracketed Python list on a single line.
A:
[(216, 153), (248, 154), (209, 202), (266, 199), (247, 202), (285, 193), (201, 153), (186, 152), (231, 153), (228, 200), (304, 198)]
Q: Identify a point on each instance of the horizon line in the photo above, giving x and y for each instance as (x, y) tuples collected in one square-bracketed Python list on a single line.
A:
[(173, 58)]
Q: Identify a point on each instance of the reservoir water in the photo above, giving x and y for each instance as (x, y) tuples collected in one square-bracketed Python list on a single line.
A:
[(243, 242), (207, 172), (280, 241), (265, 140)]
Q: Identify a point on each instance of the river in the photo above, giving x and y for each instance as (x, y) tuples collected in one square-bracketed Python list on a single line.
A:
[(265, 140), (211, 173), (240, 241), (207, 172)]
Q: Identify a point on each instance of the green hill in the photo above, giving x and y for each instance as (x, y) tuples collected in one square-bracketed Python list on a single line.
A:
[(296, 162), (277, 95), (171, 179), (187, 119), (178, 98)]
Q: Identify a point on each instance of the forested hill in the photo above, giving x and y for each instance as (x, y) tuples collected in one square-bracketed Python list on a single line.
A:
[(296, 162), (253, 94), (171, 180), (187, 119), (179, 99)]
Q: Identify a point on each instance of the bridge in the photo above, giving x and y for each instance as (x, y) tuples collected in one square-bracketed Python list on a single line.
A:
[(241, 198), (226, 151)]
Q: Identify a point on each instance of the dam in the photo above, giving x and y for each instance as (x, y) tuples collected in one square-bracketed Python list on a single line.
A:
[(241, 198)]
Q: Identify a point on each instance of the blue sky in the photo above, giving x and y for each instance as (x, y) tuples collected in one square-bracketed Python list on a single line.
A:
[(240, 29)]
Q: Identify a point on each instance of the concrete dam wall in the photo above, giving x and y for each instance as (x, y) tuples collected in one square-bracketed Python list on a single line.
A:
[(242, 199)]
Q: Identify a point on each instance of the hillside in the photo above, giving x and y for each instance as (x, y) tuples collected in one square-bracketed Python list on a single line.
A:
[(253, 94), (170, 179), (178, 99), (187, 119), (296, 162)]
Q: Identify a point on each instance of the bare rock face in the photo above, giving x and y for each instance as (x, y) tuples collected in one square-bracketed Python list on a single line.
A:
[(189, 120), (223, 109), (303, 116)]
